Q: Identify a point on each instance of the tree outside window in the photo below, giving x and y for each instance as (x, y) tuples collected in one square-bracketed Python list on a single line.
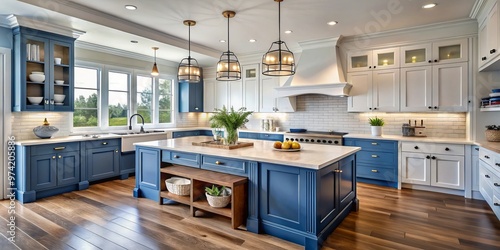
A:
[(118, 98), (145, 97), (165, 100), (86, 97)]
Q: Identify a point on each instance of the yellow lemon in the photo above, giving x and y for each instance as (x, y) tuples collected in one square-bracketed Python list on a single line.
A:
[(286, 145), (295, 145)]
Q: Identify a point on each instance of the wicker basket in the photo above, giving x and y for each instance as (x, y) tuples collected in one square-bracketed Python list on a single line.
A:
[(178, 186), (218, 201), (492, 135)]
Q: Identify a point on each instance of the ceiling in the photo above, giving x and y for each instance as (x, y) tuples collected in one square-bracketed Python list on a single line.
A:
[(160, 23)]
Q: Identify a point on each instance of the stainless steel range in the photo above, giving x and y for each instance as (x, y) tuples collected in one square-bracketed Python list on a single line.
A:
[(320, 137)]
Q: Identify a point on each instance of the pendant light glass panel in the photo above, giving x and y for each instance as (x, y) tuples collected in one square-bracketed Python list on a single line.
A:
[(228, 67), (188, 70), (154, 71)]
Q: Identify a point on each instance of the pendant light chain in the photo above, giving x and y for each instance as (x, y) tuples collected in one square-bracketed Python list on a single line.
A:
[(279, 33), (228, 59), (189, 41)]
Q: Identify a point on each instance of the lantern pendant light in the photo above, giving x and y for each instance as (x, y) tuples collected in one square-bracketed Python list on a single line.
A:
[(188, 70), (154, 71), (279, 60), (228, 67)]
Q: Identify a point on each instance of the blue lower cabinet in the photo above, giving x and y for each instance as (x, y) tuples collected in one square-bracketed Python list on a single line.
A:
[(224, 165), (248, 135), (179, 134), (181, 158), (261, 136), (46, 170), (311, 204), (127, 164), (102, 159), (377, 162), (147, 174)]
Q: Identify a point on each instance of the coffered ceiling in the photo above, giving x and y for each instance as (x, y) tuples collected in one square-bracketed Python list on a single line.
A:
[(159, 23)]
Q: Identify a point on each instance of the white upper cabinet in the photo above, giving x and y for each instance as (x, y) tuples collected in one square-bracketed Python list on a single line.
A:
[(373, 59), (489, 39), (450, 51), (376, 90), (416, 55), (251, 76), (235, 89), (209, 94), (221, 94), (268, 102)]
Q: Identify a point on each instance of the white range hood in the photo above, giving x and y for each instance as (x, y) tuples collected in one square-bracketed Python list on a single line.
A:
[(318, 71)]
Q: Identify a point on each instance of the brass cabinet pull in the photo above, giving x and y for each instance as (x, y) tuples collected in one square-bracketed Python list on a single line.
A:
[(374, 143), (218, 162), (60, 157), (374, 156), (337, 171), (374, 171), (116, 150), (53, 157), (176, 156), (105, 143), (59, 148)]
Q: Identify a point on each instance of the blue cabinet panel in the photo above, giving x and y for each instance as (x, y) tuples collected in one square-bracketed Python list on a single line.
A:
[(147, 173), (68, 168), (224, 165), (127, 164), (181, 158), (248, 135), (376, 158), (271, 137), (55, 148), (103, 162), (347, 191), (328, 206), (190, 97), (179, 134), (43, 172), (378, 173)]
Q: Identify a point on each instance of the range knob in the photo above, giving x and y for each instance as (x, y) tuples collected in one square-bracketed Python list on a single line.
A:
[(301, 139), (336, 142), (324, 141), (286, 139), (330, 141), (291, 139), (307, 140), (312, 140)]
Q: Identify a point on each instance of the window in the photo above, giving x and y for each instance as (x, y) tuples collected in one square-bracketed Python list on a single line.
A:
[(165, 101), (86, 112), (118, 98), (145, 97)]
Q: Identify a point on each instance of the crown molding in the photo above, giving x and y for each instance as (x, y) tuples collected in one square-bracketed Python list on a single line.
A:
[(14, 21), (122, 53), (476, 8)]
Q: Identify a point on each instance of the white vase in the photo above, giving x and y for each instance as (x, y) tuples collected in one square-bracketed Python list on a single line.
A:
[(376, 130)]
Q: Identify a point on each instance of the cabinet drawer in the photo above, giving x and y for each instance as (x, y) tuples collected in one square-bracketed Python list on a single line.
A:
[(271, 137), (249, 135), (55, 148), (224, 165), (488, 156), (378, 173), (377, 145), (496, 204), (180, 134), (377, 158), (433, 148), (181, 158), (103, 143)]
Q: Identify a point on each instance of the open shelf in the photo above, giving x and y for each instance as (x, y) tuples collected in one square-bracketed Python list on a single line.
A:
[(491, 109), (236, 209)]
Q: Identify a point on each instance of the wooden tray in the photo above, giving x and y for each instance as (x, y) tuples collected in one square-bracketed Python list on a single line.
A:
[(214, 144)]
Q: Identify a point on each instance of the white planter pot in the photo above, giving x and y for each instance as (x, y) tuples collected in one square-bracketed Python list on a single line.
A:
[(376, 130)]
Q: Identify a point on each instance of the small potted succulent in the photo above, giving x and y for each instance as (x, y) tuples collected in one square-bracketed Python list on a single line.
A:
[(376, 125), (492, 133), (218, 197)]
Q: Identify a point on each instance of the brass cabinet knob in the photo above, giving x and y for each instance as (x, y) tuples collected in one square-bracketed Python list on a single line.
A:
[(60, 157), (104, 143), (53, 157), (337, 171), (116, 150), (374, 171), (374, 143), (218, 162), (374, 156), (176, 156)]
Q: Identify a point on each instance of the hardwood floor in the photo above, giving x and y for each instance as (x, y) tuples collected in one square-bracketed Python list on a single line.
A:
[(106, 216)]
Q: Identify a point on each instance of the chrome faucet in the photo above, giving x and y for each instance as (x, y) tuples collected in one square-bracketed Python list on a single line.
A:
[(130, 123)]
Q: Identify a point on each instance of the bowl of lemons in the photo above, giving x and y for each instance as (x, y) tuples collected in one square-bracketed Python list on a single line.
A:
[(287, 146)]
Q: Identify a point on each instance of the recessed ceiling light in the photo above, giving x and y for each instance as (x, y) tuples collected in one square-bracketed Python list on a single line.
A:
[(428, 6), (252, 40), (130, 7), (331, 23), (288, 32), (134, 41), (222, 40)]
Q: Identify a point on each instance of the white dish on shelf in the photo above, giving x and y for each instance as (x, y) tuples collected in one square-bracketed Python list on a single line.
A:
[(37, 72), (36, 77), (59, 103), (58, 60), (59, 82), (495, 94), (59, 98), (35, 100)]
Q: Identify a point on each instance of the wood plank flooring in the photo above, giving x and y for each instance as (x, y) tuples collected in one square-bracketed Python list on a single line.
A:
[(106, 216)]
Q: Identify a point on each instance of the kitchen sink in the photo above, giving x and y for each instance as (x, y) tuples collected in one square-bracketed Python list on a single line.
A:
[(138, 133)]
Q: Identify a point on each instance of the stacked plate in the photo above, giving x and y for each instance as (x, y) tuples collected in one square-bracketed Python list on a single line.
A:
[(492, 100)]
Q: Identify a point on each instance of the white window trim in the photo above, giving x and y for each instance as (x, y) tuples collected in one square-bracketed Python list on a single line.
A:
[(99, 68), (105, 98)]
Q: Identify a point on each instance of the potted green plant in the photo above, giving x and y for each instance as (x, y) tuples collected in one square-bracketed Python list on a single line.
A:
[(376, 125), (231, 120), (492, 133), (218, 197)]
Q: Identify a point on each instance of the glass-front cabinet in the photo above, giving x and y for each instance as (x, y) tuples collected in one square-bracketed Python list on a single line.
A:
[(416, 55), (43, 71), (373, 59), (449, 51)]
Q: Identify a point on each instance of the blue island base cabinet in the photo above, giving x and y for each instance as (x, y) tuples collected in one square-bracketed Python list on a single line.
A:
[(303, 205)]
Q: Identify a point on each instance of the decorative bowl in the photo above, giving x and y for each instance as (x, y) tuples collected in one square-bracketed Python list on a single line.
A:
[(37, 77), (59, 98), (59, 82), (37, 72), (45, 131), (35, 100)]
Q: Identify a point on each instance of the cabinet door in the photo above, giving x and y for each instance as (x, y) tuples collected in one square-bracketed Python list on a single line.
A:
[(267, 99), (251, 87), (415, 168), (385, 92), (360, 99), (32, 55), (450, 87), (447, 171), (43, 171), (359, 60), (492, 32), (61, 71), (475, 168), (416, 55), (68, 168), (450, 51), (416, 89), (221, 98), (385, 58), (103, 162), (198, 97), (347, 180), (483, 50), (235, 94), (328, 202), (209, 96)]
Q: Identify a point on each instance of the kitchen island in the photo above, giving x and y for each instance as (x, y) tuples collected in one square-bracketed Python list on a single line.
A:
[(297, 196)]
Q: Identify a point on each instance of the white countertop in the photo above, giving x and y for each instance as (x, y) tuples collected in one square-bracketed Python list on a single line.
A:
[(412, 138), (312, 156)]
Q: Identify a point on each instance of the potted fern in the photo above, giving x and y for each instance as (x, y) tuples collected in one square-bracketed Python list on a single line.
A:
[(218, 197), (376, 125), (231, 120)]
